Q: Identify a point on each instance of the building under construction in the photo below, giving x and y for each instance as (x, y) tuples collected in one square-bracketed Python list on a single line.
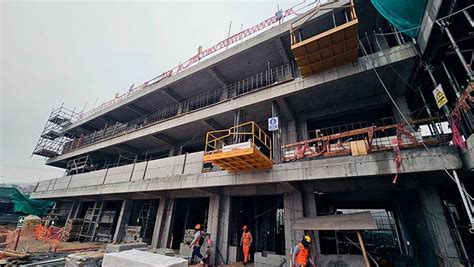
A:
[(323, 112)]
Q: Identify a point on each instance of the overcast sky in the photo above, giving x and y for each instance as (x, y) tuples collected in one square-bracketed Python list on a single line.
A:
[(84, 52)]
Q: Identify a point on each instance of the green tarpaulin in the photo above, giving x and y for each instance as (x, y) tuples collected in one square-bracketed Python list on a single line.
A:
[(405, 15), (23, 203)]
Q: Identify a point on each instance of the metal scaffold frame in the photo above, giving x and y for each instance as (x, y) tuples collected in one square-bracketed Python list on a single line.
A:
[(53, 138)]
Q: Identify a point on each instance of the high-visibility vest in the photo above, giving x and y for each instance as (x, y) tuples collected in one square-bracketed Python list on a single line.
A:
[(302, 256), (246, 240)]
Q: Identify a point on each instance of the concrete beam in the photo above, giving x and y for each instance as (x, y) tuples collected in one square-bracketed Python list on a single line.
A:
[(217, 76), (376, 164), (136, 109), (165, 139), (213, 124), (127, 148), (282, 51), (287, 109), (390, 56), (107, 120), (168, 92), (372, 101)]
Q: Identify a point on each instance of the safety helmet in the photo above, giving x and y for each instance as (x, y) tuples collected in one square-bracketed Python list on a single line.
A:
[(245, 227), (307, 239), (198, 226)]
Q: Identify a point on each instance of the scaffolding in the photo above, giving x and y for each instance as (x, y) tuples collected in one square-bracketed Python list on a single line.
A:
[(329, 49), (253, 154), (53, 137)]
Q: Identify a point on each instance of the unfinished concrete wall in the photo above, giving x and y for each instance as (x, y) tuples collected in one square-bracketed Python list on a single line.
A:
[(87, 179), (119, 174), (183, 164)]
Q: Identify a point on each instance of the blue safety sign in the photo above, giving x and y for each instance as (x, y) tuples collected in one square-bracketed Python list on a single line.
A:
[(273, 124)]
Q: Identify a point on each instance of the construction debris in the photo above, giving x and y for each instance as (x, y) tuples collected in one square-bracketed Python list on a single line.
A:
[(83, 259)]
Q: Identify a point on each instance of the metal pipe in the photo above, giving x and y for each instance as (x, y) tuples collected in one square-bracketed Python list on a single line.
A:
[(468, 17), (458, 52), (450, 80), (464, 200)]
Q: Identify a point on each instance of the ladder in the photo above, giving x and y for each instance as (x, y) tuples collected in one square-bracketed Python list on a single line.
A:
[(91, 221)]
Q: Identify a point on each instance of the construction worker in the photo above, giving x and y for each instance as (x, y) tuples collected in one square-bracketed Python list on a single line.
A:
[(196, 244), (301, 253), (245, 242)]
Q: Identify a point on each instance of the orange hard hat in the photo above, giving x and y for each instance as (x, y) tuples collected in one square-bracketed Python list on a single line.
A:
[(245, 227), (198, 226)]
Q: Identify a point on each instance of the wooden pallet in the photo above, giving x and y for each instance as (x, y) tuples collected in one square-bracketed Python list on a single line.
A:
[(72, 230)]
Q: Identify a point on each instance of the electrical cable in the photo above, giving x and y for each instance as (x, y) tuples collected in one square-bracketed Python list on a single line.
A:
[(403, 116)]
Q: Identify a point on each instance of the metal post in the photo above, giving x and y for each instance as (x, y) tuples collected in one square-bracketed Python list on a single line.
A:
[(468, 17), (399, 42), (435, 129), (451, 80), (458, 51), (457, 234), (465, 200)]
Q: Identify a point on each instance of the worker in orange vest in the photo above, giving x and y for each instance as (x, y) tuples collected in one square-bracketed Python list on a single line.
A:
[(301, 252), (245, 242)]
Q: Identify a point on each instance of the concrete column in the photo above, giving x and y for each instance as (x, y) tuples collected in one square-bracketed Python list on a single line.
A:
[(123, 219), (290, 133), (293, 206), (166, 223), (401, 102), (303, 130), (239, 118), (222, 240), (73, 211), (276, 135), (79, 207), (213, 223), (309, 210), (158, 222), (436, 222)]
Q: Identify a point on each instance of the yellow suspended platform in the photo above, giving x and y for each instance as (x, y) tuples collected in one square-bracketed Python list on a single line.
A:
[(245, 147), (335, 47)]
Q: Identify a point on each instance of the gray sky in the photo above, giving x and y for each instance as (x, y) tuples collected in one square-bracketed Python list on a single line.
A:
[(82, 52)]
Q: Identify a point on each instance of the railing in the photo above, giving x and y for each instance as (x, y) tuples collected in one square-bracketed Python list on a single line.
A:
[(270, 77), (249, 131), (374, 138)]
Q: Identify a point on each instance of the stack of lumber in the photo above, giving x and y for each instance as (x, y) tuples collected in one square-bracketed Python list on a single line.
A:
[(72, 229)]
